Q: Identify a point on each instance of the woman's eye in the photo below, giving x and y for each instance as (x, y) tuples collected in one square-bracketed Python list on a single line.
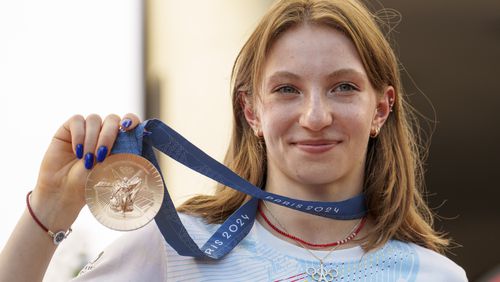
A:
[(286, 90), (345, 87)]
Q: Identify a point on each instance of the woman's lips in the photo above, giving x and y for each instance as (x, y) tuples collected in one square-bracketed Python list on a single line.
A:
[(316, 146)]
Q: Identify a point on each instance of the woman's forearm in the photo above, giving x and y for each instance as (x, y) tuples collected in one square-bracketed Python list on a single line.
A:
[(27, 253)]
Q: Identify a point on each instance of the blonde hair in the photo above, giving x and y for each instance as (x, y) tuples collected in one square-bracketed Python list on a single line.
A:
[(394, 172)]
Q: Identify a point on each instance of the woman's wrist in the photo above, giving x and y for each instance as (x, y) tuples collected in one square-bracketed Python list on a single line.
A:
[(57, 236), (52, 212)]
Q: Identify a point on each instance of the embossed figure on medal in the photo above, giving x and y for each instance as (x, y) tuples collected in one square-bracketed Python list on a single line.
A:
[(124, 192)]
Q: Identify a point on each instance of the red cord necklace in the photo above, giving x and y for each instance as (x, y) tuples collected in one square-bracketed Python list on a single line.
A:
[(295, 238)]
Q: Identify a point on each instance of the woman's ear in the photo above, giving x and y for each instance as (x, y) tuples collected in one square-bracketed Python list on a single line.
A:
[(384, 107), (250, 112)]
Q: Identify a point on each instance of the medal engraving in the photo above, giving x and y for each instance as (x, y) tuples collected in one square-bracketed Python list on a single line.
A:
[(124, 192)]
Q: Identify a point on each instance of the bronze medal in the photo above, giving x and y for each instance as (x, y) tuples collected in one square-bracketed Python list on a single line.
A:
[(124, 192)]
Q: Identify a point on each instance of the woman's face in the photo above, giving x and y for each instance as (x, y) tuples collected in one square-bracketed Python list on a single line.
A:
[(316, 109)]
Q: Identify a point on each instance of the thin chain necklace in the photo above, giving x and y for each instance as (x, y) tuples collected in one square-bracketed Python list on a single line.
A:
[(321, 273), (295, 238)]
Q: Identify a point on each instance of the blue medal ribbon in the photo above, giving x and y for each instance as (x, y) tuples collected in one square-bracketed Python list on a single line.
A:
[(155, 134)]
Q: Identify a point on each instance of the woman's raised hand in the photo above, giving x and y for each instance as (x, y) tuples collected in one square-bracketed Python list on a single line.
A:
[(77, 145), (59, 193)]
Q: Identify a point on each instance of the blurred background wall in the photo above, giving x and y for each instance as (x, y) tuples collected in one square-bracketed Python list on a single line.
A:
[(191, 47), (451, 49)]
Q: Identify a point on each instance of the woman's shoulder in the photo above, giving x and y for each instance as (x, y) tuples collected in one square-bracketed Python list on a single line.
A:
[(136, 252), (431, 265), (195, 221), (140, 255)]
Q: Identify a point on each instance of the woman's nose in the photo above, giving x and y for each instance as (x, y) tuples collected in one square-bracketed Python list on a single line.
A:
[(316, 114)]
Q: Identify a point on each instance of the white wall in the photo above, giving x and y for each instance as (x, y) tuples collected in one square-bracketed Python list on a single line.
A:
[(58, 58)]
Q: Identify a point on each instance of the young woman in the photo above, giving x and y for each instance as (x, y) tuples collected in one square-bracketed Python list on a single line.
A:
[(319, 115)]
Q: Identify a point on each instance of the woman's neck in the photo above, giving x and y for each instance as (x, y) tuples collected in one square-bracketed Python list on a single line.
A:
[(310, 228), (334, 191)]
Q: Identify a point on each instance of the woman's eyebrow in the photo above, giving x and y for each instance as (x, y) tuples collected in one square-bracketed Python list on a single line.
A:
[(345, 72), (284, 75), (280, 75)]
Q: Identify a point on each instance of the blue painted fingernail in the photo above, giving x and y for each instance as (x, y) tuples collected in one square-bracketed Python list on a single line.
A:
[(79, 151), (101, 153), (89, 160), (126, 123), (146, 133)]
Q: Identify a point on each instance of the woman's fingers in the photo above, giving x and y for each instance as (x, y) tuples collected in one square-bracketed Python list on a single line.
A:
[(92, 131), (129, 122), (76, 126), (73, 132), (91, 138), (100, 137), (107, 137)]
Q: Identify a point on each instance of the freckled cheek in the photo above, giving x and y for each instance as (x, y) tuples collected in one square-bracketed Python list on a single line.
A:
[(276, 123), (353, 122)]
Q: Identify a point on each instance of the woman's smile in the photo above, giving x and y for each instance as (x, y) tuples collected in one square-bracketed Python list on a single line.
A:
[(316, 146)]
